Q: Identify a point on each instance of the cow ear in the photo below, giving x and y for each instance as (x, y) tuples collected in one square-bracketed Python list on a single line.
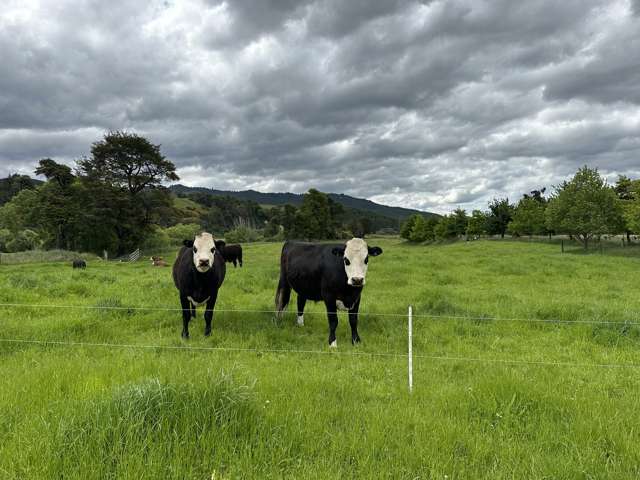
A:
[(375, 251), (338, 251), (220, 244), (188, 243)]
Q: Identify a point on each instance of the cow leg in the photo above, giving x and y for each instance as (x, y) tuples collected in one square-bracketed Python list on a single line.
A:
[(240, 260), (208, 314), (332, 315), (186, 315), (193, 310), (301, 303), (353, 321), (234, 263)]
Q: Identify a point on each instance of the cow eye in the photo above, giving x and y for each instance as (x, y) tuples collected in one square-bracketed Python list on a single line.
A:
[(366, 259), (195, 250), (213, 250), (347, 262)]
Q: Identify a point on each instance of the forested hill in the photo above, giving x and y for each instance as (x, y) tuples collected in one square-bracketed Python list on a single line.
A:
[(397, 213)]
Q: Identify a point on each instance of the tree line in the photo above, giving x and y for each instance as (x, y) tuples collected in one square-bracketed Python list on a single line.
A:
[(114, 201), (585, 208)]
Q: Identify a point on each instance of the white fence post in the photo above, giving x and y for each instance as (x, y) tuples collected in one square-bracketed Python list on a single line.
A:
[(410, 356)]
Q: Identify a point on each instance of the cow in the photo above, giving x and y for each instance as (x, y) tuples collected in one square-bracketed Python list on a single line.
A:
[(158, 262), (198, 273), (232, 254), (79, 263), (334, 274)]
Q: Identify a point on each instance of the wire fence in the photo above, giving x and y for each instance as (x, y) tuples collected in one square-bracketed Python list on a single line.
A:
[(409, 355), (454, 317), (444, 358)]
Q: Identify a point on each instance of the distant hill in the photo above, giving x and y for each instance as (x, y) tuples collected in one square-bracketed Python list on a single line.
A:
[(397, 213)]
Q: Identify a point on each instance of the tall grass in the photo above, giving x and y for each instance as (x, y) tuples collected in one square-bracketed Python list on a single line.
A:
[(99, 412)]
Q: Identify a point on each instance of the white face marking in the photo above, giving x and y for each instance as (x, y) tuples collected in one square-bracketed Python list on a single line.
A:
[(355, 257), (203, 250), (301, 320), (333, 344)]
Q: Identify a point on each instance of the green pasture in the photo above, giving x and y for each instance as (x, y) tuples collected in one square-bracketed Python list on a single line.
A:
[(526, 365)]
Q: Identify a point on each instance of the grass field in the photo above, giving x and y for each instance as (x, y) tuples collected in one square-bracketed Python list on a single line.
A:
[(95, 411)]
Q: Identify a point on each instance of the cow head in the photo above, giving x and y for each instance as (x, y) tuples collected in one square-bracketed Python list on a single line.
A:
[(355, 256), (204, 247)]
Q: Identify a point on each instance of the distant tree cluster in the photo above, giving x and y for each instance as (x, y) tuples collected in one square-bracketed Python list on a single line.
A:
[(111, 202), (585, 207), (114, 200)]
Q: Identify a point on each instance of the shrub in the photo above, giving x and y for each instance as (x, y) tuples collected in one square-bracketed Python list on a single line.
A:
[(24, 240), (180, 232), (242, 235)]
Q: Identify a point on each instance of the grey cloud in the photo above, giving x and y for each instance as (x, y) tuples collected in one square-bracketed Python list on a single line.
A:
[(432, 104)]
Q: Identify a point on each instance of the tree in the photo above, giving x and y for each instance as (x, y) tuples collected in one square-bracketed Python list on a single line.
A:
[(628, 191), (20, 213), (56, 172), (14, 184), (446, 228), (500, 212), (584, 207), (528, 217), (313, 219), (129, 161), (477, 224), (407, 226), (419, 230), (459, 220)]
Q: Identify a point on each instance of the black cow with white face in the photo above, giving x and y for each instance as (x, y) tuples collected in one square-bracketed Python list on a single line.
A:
[(335, 274), (198, 274)]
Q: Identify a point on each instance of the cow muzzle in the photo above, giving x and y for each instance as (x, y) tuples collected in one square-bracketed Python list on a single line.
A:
[(356, 281), (203, 265)]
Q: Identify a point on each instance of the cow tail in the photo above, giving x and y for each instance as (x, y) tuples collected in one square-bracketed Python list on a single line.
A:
[(283, 294)]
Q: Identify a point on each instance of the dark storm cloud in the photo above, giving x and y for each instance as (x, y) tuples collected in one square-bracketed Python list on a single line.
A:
[(431, 104)]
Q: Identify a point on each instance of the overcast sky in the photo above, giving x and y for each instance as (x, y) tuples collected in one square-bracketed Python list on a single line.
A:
[(432, 105)]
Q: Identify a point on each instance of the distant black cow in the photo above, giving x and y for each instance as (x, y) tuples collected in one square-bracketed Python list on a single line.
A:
[(79, 264), (198, 273), (334, 274), (232, 254)]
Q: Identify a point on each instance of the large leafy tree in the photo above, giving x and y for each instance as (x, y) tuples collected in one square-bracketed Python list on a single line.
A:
[(460, 222), (129, 161), (21, 212), (407, 226), (628, 192), (14, 184), (477, 224), (56, 172), (500, 214), (313, 219), (528, 217), (585, 207)]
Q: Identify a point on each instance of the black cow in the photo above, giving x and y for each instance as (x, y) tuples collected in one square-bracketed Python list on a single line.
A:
[(334, 274), (198, 273), (79, 264), (232, 254)]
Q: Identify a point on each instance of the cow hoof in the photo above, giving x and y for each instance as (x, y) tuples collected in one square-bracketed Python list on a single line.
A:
[(207, 333), (355, 340), (333, 344), (185, 335), (301, 321)]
